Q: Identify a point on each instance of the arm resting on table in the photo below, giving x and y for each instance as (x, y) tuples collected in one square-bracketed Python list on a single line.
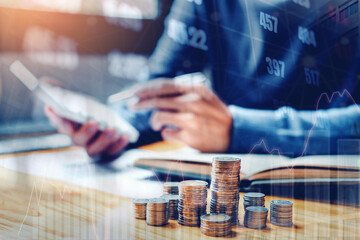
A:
[(292, 132)]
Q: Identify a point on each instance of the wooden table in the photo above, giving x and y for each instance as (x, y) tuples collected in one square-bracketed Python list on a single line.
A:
[(33, 207)]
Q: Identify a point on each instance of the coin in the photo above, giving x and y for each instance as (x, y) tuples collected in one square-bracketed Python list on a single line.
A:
[(282, 203), (215, 225), (140, 201), (214, 217), (255, 195), (281, 213), (157, 212), (158, 204), (192, 202), (254, 199), (193, 184), (139, 206), (171, 188), (173, 205), (224, 188), (255, 217)]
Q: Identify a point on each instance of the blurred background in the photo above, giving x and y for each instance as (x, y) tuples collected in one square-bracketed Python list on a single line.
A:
[(100, 47), (95, 47)]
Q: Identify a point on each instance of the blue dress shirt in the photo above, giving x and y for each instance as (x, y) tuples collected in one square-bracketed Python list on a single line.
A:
[(291, 83)]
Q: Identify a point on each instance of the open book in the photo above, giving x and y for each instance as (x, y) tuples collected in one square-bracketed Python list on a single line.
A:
[(177, 159)]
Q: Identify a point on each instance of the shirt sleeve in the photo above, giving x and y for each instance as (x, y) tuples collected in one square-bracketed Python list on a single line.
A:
[(178, 50), (174, 55), (293, 133)]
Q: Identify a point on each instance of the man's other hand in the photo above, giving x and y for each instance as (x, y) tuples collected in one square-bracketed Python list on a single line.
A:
[(196, 115), (88, 135)]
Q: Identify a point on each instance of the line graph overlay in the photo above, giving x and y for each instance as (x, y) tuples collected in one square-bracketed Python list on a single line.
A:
[(60, 192), (43, 197), (323, 97), (329, 99)]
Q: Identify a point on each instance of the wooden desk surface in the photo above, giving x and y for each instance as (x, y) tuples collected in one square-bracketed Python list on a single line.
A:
[(39, 208)]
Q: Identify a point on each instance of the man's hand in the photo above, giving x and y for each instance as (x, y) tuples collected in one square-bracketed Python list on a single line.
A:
[(201, 119), (88, 135)]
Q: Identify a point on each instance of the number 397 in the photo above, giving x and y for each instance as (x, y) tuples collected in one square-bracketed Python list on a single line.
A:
[(275, 67)]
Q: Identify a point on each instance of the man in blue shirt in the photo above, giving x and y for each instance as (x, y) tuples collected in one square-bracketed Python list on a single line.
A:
[(279, 82)]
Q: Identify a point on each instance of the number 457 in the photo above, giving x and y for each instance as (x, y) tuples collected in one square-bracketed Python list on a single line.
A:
[(269, 22)]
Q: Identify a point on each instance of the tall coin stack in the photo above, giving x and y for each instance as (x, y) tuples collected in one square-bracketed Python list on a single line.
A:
[(224, 187), (171, 188), (140, 208), (192, 202), (281, 212), (173, 205), (215, 225), (254, 199), (255, 217), (157, 212)]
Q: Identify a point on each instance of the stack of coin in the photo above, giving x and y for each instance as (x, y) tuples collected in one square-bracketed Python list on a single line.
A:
[(255, 217), (281, 212), (157, 212), (140, 208), (215, 225), (173, 205), (254, 199), (225, 186), (192, 202), (171, 188)]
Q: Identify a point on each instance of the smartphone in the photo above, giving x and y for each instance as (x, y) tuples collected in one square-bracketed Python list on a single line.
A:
[(74, 106)]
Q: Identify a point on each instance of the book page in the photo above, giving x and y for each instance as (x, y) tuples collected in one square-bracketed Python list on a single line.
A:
[(250, 163)]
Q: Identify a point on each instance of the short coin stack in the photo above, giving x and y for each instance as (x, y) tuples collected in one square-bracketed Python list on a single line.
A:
[(281, 212), (255, 217), (173, 205), (254, 199), (157, 212), (140, 208), (171, 188), (225, 186), (192, 202), (215, 225)]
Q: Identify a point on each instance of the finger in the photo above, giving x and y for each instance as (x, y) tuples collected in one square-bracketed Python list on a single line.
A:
[(86, 132), (176, 103), (63, 125), (166, 87), (50, 80), (208, 95), (169, 87), (153, 84), (116, 147), (191, 103), (169, 103), (100, 144), (162, 119), (174, 135), (55, 119), (160, 88)]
